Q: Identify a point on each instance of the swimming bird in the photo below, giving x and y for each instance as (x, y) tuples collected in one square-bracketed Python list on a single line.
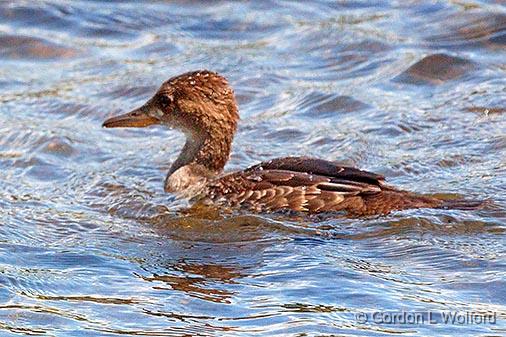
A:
[(202, 105)]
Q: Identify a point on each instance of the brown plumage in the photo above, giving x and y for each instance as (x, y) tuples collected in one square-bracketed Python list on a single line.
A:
[(202, 105), (312, 185)]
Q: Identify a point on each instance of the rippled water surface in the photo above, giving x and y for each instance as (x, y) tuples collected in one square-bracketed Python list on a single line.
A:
[(90, 245)]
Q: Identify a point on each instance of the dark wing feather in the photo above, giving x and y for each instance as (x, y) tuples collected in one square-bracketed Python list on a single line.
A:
[(297, 183), (319, 167)]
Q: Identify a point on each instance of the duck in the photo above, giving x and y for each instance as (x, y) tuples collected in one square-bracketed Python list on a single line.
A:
[(202, 105)]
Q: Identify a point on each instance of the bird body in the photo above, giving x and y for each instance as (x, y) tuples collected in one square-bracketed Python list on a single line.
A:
[(312, 185), (202, 105)]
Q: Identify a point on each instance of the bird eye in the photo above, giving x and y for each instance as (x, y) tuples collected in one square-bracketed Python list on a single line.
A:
[(165, 101)]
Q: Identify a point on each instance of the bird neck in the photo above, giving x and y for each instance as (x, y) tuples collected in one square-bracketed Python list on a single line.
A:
[(208, 150)]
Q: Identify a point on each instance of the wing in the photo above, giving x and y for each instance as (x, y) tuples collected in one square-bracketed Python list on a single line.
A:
[(297, 183)]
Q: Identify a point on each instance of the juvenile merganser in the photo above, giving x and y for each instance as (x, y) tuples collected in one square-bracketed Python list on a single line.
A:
[(202, 105)]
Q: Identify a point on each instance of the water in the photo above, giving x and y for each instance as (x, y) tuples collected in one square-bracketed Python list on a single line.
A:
[(91, 246)]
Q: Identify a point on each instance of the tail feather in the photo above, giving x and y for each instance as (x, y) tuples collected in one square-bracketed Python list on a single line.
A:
[(463, 204)]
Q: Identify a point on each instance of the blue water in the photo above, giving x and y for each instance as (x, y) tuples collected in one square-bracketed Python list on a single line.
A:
[(90, 245)]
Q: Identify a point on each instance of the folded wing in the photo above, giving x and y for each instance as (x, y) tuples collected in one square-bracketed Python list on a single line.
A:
[(297, 183)]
